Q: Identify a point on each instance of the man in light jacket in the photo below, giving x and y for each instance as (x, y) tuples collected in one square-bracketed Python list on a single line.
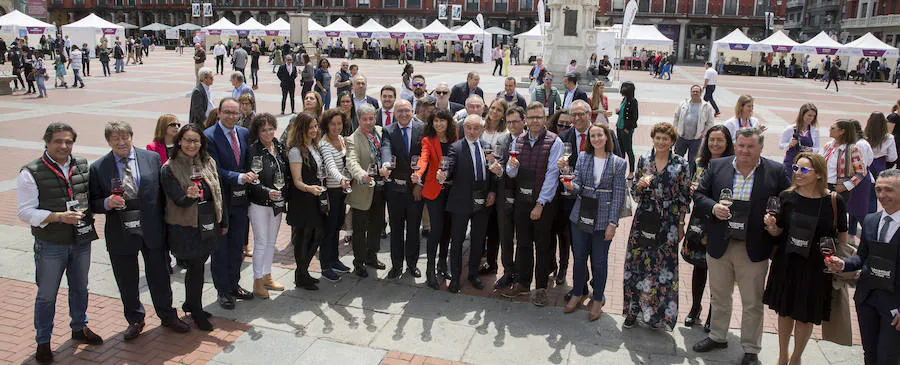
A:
[(692, 118)]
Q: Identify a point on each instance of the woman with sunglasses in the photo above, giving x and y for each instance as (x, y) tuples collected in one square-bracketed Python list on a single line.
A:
[(164, 136), (803, 136), (716, 144), (798, 287), (439, 134), (323, 83)]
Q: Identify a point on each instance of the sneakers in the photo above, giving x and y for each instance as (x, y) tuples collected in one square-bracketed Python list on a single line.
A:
[(331, 276), (516, 290), (540, 298), (630, 320), (340, 268)]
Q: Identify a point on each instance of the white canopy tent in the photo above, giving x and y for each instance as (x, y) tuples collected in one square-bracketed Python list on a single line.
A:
[(315, 29), (187, 27), (530, 42), (868, 46), (90, 29), (472, 32), (533, 34), (498, 31), (156, 27), (821, 44), (18, 24), (777, 42), (251, 27), (127, 26), (339, 28), (279, 27), (371, 29), (735, 44), (223, 27), (438, 31), (644, 35), (404, 30)]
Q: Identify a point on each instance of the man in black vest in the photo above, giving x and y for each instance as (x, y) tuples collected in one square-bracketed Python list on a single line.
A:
[(134, 224), (536, 175), (471, 194), (737, 249), (506, 197), (878, 289), (52, 195)]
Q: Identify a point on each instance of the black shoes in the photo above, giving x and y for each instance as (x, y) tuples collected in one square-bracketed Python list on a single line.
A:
[(377, 265), (691, 320), (454, 286), (133, 331), (242, 294), (503, 282), (414, 271), (177, 325), (226, 301), (87, 336), (44, 354), (189, 311), (361, 271), (476, 282), (442, 273), (487, 269), (202, 322), (560, 280), (432, 281), (707, 344), (394, 273), (750, 359), (629, 321)]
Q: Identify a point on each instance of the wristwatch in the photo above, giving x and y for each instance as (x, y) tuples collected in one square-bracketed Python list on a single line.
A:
[(539, 204)]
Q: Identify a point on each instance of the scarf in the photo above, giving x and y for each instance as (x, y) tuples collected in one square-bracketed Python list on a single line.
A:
[(180, 165)]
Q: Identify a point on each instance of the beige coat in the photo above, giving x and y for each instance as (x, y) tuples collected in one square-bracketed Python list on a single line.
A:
[(359, 156)]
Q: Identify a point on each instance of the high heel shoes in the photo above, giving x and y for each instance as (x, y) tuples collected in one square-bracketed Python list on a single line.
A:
[(691, 320), (573, 304)]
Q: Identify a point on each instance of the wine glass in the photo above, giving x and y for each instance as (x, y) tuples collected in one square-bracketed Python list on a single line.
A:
[(321, 175), (372, 171), (445, 166), (726, 198), (773, 206), (348, 190), (256, 166), (513, 153), (414, 162), (826, 248), (278, 182), (567, 152), (390, 165), (567, 176), (117, 188), (488, 153)]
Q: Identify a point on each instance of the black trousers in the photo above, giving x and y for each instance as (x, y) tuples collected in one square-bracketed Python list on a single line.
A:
[(306, 242), (476, 242), (498, 63), (830, 79), (193, 283), (561, 234), (220, 64), (307, 87), (439, 237), (534, 250), (405, 218), (879, 338), (492, 237), (328, 251), (285, 92), (708, 96), (86, 67), (367, 226), (506, 229), (156, 269)]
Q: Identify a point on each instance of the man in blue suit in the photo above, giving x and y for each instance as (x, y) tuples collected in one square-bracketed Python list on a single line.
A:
[(878, 288), (134, 223), (228, 147)]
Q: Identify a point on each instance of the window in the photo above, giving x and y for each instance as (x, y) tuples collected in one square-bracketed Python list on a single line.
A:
[(671, 6), (414, 4), (501, 5), (472, 5), (339, 3), (526, 5), (81, 2), (644, 6), (618, 5), (730, 7), (393, 4), (761, 8), (362, 3), (245, 2), (699, 6)]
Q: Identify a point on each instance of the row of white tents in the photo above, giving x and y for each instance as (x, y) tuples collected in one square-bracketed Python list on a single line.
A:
[(340, 28), (737, 44)]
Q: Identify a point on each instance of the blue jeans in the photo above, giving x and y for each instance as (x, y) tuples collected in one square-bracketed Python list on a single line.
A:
[(326, 100), (42, 88), (597, 247), (120, 65), (105, 65), (77, 74), (50, 261)]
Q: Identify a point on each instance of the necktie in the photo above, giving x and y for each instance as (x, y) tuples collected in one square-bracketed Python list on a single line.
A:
[(235, 147), (128, 179), (581, 143), (883, 234), (479, 165), (405, 138), (387, 121)]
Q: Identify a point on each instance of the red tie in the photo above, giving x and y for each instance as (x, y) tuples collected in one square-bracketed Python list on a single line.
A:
[(581, 144), (387, 121), (235, 147)]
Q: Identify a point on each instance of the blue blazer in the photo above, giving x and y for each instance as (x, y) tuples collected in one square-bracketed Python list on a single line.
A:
[(151, 202), (610, 201), (462, 172), (220, 150), (881, 299)]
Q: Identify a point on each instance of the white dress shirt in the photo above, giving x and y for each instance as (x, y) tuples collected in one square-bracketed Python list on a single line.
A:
[(476, 167), (892, 228), (384, 115), (567, 102), (888, 148), (209, 99), (228, 138), (27, 196)]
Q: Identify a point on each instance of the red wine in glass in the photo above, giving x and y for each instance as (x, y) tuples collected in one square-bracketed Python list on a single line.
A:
[(826, 253), (514, 154), (826, 248)]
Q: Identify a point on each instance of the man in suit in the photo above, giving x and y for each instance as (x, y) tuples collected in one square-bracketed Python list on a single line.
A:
[(576, 138), (738, 250), (572, 91), (403, 140), (385, 116), (359, 92), (240, 86), (227, 145), (442, 99), (367, 198), (878, 288), (201, 97), (510, 94), (134, 224), (287, 76), (463, 90), (506, 188), (472, 192), (537, 177)]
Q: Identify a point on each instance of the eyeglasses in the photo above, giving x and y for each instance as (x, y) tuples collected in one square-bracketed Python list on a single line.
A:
[(441, 92), (577, 115), (802, 170), (560, 125), (513, 121), (229, 112), (535, 118), (175, 124), (417, 84)]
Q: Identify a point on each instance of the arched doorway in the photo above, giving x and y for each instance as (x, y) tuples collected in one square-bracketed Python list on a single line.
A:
[(263, 18), (230, 16), (243, 17), (281, 15)]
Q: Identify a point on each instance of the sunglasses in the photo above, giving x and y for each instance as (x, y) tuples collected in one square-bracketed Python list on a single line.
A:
[(802, 170), (560, 125), (442, 92), (417, 84), (548, 80), (175, 124)]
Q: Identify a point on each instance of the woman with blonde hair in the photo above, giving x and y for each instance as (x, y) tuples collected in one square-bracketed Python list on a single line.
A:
[(743, 116)]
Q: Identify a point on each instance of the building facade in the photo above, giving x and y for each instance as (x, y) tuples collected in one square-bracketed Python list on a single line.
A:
[(880, 17), (804, 19)]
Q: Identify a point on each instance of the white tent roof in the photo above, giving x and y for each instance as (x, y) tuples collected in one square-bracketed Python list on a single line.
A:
[(92, 21), (436, 30), (315, 29), (127, 25), (251, 27), (736, 40), (469, 31), (339, 28), (156, 27), (223, 27), (643, 35), (533, 33), (371, 29), (777, 42), (868, 46), (279, 27), (187, 26), (17, 19), (821, 44), (404, 30), (498, 31)]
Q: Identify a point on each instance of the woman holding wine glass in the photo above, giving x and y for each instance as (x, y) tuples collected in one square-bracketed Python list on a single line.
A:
[(798, 288), (438, 134), (266, 156), (195, 215), (306, 222), (337, 181), (599, 176), (662, 189), (494, 132)]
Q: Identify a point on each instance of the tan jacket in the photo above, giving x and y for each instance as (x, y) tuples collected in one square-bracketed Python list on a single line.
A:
[(359, 156)]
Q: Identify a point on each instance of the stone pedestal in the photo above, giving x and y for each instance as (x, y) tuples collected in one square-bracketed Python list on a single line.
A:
[(300, 31), (571, 35)]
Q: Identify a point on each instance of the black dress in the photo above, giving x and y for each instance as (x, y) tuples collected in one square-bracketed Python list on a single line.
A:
[(797, 287)]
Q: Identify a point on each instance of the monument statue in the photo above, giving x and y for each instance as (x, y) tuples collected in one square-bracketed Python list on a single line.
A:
[(299, 22), (571, 35)]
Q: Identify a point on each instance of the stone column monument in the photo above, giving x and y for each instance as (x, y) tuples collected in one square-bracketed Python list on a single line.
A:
[(299, 22), (571, 35)]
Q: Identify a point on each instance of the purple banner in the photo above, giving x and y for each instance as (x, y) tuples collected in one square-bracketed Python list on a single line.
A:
[(398, 35), (330, 33), (431, 36), (215, 32), (783, 49), (669, 30), (466, 37), (828, 51), (109, 30), (243, 33), (35, 30), (364, 34), (873, 52), (738, 46), (271, 33)]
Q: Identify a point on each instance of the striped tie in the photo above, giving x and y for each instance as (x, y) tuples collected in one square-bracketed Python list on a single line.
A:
[(128, 179)]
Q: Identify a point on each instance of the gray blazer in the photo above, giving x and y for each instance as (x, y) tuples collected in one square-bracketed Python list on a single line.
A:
[(610, 192)]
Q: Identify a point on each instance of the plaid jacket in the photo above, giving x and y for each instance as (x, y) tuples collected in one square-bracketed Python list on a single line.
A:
[(857, 165), (610, 192)]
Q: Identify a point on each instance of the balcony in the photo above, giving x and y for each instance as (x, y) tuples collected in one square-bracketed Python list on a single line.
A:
[(875, 21), (791, 4), (792, 25), (823, 6)]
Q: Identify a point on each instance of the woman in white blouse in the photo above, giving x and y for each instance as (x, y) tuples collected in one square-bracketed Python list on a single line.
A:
[(884, 150), (802, 136), (743, 116), (333, 152)]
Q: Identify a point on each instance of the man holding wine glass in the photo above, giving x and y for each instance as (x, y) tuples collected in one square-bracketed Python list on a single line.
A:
[(403, 142), (878, 288), (574, 141), (46, 188), (737, 249), (125, 186)]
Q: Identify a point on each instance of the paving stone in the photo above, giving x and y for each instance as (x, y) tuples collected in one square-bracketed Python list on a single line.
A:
[(379, 295), (327, 352), (264, 346), (349, 325), (430, 337)]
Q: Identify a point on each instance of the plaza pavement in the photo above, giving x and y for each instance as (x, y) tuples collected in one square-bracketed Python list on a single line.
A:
[(371, 321)]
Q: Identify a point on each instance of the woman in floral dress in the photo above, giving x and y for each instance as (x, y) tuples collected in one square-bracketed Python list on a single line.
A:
[(662, 189)]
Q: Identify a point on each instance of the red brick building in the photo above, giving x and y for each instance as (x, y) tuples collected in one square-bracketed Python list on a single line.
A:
[(881, 17)]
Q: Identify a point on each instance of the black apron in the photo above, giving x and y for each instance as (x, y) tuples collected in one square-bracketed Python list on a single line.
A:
[(239, 195), (693, 236), (399, 186), (737, 225), (509, 198), (206, 220), (801, 233), (278, 205), (587, 215), (648, 231), (84, 229), (479, 196), (525, 193), (130, 217), (882, 264)]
